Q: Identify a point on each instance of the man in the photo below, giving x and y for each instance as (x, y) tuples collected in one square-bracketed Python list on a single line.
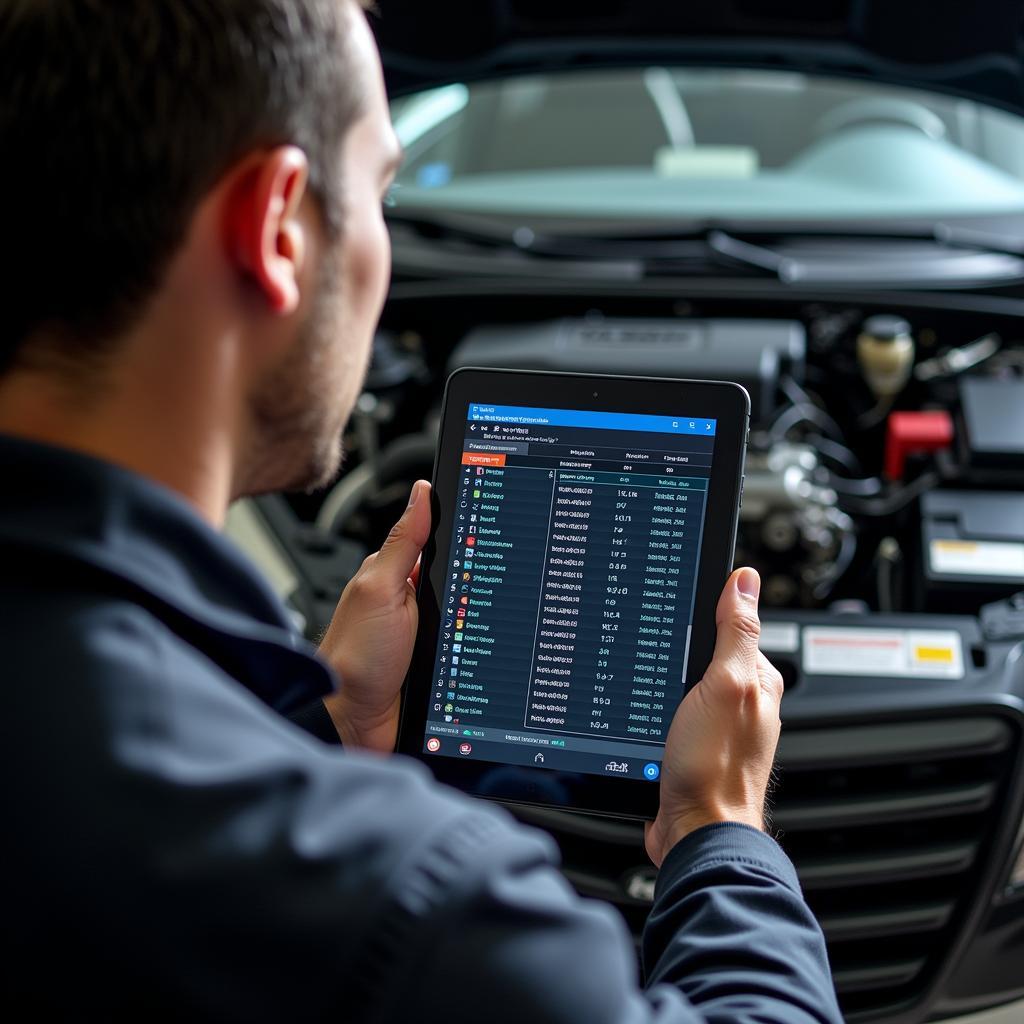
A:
[(194, 263)]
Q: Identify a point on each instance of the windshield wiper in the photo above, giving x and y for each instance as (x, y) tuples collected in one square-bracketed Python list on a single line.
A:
[(817, 255), (658, 251), (753, 255), (958, 236), (505, 250), (807, 254)]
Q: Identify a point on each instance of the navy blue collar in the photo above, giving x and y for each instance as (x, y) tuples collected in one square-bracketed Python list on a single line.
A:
[(142, 538)]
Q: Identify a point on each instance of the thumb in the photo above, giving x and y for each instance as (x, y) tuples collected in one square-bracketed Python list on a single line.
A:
[(398, 556), (739, 627)]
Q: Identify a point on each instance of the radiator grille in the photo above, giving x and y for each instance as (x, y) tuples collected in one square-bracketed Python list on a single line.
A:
[(889, 826)]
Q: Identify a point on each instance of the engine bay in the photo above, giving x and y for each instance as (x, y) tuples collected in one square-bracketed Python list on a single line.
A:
[(885, 470), (884, 508)]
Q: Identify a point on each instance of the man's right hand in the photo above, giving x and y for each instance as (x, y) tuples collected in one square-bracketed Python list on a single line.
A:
[(721, 746)]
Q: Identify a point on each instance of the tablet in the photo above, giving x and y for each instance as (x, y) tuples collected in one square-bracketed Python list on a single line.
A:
[(583, 528)]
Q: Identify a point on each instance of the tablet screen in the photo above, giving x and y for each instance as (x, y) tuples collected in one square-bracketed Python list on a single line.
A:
[(569, 595)]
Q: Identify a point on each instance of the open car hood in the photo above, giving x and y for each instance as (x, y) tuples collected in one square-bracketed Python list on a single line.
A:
[(970, 49)]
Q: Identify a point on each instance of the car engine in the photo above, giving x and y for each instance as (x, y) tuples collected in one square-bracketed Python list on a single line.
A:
[(884, 508), (865, 427)]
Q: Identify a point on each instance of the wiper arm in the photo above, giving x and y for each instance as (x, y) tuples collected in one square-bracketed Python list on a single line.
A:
[(657, 252), (728, 241), (956, 236), (506, 249), (790, 269), (795, 260), (752, 255), (657, 249)]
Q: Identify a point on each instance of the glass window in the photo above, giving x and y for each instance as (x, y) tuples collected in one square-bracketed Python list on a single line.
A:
[(697, 143)]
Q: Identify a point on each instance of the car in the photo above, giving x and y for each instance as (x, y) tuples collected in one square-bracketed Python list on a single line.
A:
[(825, 202)]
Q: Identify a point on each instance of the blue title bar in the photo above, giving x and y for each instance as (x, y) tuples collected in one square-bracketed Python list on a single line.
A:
[(599, 420)]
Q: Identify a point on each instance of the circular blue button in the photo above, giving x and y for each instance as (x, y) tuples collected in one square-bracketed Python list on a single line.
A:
[(651, 771)]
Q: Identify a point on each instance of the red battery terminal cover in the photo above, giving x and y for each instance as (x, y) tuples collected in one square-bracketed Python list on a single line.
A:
[(914, 433)]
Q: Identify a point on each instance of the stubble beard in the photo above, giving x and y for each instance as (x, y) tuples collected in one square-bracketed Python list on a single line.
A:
[(298, 412)]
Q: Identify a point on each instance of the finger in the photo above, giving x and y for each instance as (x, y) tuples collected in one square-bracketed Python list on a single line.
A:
[(739, 627), (414, 576), (401, 550)]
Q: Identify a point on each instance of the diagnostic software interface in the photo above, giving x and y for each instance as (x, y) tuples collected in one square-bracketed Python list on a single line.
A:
[(568, 601)]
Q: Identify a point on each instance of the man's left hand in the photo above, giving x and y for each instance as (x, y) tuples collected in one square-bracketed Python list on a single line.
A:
[(370, 639)]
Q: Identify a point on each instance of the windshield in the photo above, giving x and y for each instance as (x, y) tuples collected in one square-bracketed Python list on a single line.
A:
[(688, 143)]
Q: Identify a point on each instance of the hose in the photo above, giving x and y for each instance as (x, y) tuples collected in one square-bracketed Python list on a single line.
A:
[(355, 487)]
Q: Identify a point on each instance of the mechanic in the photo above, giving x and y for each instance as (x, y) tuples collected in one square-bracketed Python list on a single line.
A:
[(194, 263)]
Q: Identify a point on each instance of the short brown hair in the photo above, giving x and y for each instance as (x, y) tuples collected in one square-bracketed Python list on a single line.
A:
[(118, 117)]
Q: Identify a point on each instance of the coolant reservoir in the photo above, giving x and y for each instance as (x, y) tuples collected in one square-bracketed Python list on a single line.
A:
[(885, 351)]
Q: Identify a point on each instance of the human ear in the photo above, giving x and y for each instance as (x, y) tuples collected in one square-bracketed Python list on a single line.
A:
[(265, 236)]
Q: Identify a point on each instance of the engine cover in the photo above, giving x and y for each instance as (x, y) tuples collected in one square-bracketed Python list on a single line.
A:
[(754, 353)]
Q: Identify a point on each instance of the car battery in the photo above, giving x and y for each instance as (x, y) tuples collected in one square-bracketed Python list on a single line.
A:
[(972, 548), (992, 411)]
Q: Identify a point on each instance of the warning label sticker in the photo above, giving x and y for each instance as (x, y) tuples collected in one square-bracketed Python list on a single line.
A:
[(899, 653), (978, 558), (779, 637)]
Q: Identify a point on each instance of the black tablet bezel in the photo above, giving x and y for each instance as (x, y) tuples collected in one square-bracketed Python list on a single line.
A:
[(725, 402)]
